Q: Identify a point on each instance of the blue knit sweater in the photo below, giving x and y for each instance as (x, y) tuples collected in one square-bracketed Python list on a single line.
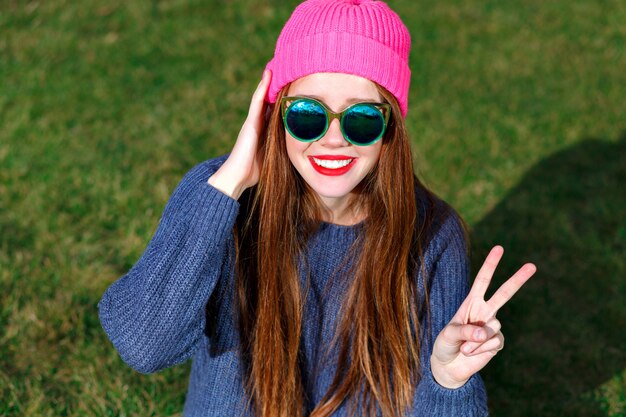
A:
[(177, 303)]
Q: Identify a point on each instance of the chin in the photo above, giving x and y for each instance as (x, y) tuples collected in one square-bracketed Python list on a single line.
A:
[(336, 194), (331, 191)]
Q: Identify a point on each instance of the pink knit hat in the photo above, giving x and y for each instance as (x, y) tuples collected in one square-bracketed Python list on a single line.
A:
[(360, 37)]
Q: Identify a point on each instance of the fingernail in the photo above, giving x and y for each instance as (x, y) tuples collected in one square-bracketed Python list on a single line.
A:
[(479, 334)]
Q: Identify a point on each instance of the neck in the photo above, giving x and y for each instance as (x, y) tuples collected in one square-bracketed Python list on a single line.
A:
[(338, 211)]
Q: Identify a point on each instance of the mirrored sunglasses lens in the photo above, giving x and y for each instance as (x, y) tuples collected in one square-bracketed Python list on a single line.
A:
[(363, 123), (305, 119)]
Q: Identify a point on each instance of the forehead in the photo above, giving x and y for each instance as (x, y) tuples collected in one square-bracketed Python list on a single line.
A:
[(335, 88)]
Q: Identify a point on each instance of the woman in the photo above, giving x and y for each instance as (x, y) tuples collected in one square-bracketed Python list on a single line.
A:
[(309, 272)]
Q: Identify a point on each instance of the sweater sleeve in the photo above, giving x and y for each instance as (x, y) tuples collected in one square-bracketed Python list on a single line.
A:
[(155, 314), (449, 285)]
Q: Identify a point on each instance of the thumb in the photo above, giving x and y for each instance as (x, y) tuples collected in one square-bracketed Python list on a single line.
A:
[(455, 334)]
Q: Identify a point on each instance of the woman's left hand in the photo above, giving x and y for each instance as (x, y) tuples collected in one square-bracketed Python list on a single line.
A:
[(473, 335)]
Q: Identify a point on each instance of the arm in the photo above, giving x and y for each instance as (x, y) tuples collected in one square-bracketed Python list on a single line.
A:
[(472, 337), (154, 315), (449, 285)]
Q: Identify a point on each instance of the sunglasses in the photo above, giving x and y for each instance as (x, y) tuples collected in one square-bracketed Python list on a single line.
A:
[(307, 120)]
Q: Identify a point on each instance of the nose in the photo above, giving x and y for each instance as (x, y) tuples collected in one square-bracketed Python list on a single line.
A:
[(333, 138)]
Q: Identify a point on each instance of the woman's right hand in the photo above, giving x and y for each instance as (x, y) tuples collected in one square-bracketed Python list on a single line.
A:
[(242, 168)]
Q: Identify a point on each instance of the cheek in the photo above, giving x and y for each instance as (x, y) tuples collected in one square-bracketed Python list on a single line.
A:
[(372, 154), (295, 148)]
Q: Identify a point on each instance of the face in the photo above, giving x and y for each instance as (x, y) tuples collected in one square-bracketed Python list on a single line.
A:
[(334, 185)]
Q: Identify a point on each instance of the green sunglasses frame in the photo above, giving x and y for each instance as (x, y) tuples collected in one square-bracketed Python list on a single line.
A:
[(331, 115)]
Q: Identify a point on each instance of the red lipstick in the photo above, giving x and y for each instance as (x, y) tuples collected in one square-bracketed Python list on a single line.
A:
[(332, 171)]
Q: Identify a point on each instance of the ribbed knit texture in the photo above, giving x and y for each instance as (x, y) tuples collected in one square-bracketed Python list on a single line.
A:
[(155, 315), (359, 37)]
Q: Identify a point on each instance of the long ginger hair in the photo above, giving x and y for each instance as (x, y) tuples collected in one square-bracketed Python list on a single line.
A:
[(379, 333)]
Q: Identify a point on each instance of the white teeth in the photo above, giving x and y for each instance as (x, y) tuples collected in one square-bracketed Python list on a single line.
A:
[(332, 164)]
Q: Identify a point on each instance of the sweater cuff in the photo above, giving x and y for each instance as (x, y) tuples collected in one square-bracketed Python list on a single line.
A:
[(468, 400), (199, 208), (214, 211)]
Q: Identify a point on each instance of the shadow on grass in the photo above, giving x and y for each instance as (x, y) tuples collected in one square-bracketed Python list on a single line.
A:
[(565, 328)]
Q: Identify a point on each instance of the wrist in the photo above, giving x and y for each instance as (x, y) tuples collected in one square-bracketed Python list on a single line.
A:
[(226, 184)]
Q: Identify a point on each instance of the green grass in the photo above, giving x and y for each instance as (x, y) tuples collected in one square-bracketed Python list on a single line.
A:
[(517, 118)]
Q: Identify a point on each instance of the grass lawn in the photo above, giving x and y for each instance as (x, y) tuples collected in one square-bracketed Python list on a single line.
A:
[(517, 115)]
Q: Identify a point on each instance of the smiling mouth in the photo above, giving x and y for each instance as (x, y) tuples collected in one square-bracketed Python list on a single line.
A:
[(332, 164)]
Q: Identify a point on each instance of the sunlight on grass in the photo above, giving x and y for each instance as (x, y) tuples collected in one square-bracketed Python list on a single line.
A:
[(612, 395), (516, 115)]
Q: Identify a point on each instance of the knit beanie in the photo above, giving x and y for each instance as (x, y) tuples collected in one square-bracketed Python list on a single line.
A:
[(360, 37)]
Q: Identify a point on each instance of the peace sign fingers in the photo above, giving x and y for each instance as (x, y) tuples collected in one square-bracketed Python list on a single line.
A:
[(511, 286), (508, 289)]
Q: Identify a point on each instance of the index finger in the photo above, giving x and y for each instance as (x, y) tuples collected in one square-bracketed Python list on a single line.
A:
[(257, 111), (511, 286), (483, 278)]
